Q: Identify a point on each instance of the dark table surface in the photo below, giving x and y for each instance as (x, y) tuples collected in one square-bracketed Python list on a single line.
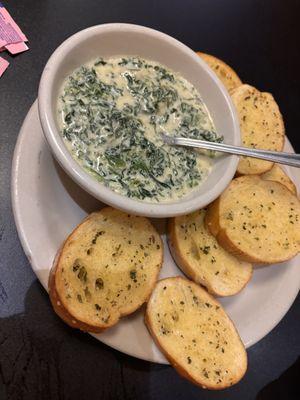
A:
[(40, 357)]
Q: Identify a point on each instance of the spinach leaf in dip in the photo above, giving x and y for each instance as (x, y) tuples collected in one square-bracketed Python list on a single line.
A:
[(111, 114)]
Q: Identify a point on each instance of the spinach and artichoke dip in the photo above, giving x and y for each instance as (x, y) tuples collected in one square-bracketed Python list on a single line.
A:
[(111, 114)]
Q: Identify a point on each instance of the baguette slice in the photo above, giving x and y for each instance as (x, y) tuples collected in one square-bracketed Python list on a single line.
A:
[(256, 220), (195, 334), (261, 126), (198, 254), (105, 269), (226, 74), (277, 174)]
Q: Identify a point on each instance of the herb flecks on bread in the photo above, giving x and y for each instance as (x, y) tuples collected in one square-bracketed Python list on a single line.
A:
[(261, 126), (224, 72), (277, 174), (106, 268), (201, 258), (195, 334), (256, 220)]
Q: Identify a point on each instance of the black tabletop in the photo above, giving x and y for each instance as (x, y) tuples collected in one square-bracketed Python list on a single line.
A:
[(41, 357)]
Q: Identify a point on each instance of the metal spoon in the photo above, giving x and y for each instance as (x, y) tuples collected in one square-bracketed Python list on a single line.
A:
[(274, 156)]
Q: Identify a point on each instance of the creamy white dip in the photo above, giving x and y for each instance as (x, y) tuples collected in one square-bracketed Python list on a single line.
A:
[(111, 114)]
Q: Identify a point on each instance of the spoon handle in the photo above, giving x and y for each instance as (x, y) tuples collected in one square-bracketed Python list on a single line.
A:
[(274, 156)]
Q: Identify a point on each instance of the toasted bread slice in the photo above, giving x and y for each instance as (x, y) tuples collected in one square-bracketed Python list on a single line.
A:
[(226, 74), (261, 126), (195, 334), (106, 269), (199, 255), (277, 174), (256, 220)]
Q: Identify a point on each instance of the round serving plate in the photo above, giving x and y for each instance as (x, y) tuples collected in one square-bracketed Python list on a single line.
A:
[(48, 205)]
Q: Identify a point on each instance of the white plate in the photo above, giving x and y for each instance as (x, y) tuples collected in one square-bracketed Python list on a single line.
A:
[(48, 205)]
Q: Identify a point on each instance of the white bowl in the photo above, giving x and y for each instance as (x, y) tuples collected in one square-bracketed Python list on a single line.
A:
[(126, 39)]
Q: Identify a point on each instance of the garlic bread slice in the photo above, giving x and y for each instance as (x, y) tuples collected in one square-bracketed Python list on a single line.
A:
[(195, 334), (277, 174), (106, 269), (224, 72), (261, 126), (256, 220), (199, 255)]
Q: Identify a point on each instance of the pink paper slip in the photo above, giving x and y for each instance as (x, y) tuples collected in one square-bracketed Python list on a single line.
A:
[(3, 65), (16, 48), (9, 30)]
